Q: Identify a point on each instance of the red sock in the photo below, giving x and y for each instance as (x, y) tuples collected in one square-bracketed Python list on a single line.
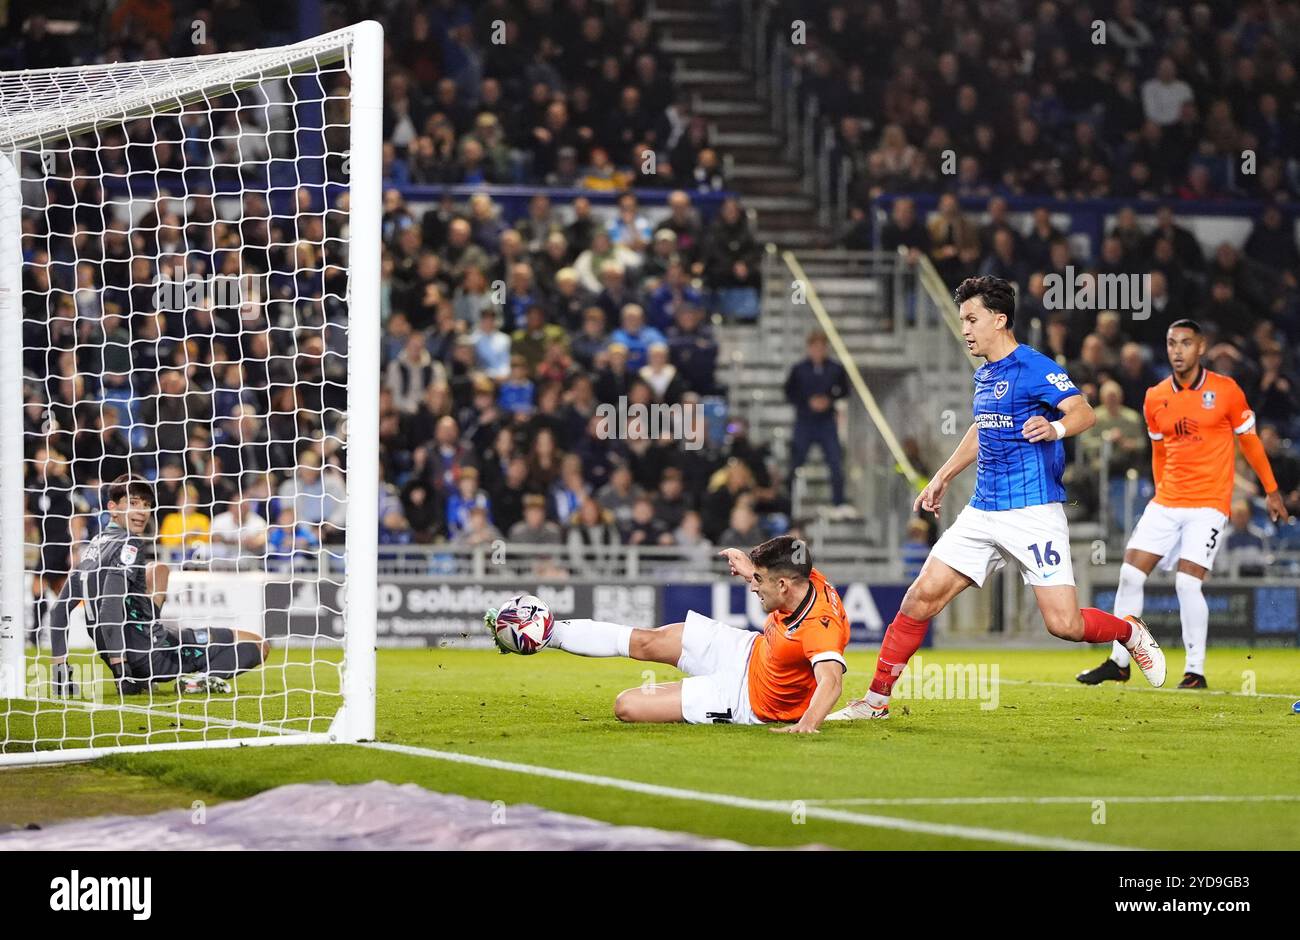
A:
[(1101, 627), (902, 639)]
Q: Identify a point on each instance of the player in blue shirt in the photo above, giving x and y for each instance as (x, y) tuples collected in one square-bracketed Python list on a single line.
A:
[(1025, 405)]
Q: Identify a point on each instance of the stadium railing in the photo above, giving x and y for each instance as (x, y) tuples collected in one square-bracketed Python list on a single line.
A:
[(502, 561)]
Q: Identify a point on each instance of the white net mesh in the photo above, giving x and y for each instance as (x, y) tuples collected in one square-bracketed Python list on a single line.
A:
[(184, 302)]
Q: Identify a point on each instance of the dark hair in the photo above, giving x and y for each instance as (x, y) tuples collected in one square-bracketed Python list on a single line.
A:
[(1186, 324), (997, 295), (784, 556), (124, 487)]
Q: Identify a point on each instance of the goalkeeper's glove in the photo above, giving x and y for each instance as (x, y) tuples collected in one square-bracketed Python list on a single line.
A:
[(61, 683), (125, 684)]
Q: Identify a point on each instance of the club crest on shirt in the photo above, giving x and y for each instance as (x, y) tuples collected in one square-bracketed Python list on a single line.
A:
[(1207, 401), (1000, 389), (128, 554)]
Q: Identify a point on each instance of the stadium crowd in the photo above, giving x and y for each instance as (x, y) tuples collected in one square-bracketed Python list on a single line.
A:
[(501, 334), (1144, 104), (504, 330)]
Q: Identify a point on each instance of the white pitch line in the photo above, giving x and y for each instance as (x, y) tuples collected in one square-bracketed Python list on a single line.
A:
[(783, 807), (1190, 693), (1046, 800)]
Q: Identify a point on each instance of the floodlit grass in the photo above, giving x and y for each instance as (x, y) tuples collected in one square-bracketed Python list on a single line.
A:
[(1047, 737)]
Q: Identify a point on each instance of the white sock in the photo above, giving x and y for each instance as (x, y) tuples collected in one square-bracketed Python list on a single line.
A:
[(591, 637), (1128, 603), (876, 700), (1195, 614)]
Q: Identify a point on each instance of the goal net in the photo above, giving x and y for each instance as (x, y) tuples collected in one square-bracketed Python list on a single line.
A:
[(189, 294)]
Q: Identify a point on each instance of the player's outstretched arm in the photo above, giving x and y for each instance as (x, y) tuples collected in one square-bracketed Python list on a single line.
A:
[(830, 683), (931, 498), (1252, 448)]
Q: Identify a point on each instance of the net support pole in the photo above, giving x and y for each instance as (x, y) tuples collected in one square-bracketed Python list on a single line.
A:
[(13, 666), (355, 721)]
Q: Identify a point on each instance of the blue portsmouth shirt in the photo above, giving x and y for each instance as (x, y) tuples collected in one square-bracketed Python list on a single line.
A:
[(1011, 472)]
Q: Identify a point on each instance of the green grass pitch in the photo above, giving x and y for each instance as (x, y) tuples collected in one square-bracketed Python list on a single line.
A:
[(970, 767)]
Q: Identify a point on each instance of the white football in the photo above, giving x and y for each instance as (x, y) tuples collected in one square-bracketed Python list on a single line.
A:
[(524, 624)]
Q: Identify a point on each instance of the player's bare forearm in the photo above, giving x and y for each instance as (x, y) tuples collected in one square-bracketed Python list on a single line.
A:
[(830, 685), (963, 456)]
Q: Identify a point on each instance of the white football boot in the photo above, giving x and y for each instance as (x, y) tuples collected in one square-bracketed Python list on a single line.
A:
[(1146, 652), (858, 710)]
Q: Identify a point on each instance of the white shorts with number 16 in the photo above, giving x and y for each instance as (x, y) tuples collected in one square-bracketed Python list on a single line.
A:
[(1035, 538)]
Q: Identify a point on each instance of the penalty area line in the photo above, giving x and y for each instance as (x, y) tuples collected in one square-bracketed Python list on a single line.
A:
[(784, 807)]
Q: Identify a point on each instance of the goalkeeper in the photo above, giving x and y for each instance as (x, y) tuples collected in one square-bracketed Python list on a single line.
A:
[(122, 597)]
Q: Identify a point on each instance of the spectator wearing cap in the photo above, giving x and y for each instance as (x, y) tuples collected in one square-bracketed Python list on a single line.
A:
[(491, 346), (532, 339), (516, 396), (812, 387), (636, 336)]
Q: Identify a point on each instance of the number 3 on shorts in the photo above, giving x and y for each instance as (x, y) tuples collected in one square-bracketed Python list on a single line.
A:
[(1048, 555)]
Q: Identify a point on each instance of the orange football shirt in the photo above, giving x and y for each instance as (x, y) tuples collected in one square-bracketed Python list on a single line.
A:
[(781, 678), (1198, 424)]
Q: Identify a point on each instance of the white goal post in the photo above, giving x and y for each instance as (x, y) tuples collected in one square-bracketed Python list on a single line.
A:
[(190, 293)]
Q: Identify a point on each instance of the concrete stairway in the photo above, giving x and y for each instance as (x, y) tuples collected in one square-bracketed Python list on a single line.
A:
[(707, 60)]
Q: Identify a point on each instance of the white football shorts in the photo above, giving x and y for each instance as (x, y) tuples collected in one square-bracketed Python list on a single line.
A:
[(1036, 538), (1177, 532), (715, 658)]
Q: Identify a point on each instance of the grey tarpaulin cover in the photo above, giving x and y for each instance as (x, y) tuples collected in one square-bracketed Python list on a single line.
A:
[(376, 815)]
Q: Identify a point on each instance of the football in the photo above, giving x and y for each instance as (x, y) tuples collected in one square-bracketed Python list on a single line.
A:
[(524, 624)]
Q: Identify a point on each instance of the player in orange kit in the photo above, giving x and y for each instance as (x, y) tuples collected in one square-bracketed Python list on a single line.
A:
[(791, 672), (1192, 419)]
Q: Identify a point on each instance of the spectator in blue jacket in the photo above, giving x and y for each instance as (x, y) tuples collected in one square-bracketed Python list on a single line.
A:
[(636, 336), (813, 386)]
